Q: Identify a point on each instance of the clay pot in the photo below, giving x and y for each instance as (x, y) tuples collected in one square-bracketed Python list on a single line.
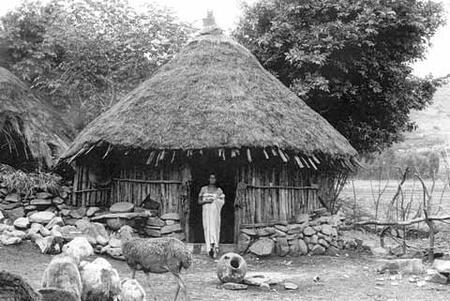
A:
[(231, 268)]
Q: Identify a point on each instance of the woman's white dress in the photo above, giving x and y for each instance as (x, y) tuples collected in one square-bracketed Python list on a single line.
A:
[(211, 215)]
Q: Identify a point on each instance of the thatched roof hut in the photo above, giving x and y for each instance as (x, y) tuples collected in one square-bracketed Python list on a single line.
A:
[(31, 132), (212, 107)]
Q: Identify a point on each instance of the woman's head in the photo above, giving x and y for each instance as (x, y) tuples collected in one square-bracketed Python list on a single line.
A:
[(212, 179)]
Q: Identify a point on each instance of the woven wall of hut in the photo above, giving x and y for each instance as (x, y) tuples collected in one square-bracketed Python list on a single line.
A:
[(275, 194), (85, 193), (163, 184)]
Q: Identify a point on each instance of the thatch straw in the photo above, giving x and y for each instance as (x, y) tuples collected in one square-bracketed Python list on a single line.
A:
[(213, 95), (30, 130)]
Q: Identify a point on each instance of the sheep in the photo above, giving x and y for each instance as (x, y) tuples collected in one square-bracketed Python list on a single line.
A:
[(62, 272), (56, 294), (156, 255), (131, 291), (101, 281), (13, 287)]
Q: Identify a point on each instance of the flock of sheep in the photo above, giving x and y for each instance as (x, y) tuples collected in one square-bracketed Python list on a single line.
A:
[(68, 277)]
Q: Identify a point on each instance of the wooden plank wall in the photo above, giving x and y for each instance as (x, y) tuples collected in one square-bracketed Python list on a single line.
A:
[(84, 193), (163, 184), (276, 194)]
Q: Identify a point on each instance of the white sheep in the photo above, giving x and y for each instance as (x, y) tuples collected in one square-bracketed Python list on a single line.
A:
[(78, 248), (101, 282), (62, 273), (132, 291)]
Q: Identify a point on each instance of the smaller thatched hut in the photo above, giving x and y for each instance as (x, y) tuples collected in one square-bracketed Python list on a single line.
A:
[(212, 108), (32, 133)]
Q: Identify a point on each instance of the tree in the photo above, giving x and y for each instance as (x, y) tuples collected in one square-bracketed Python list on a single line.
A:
[(83, 55), (350, 60)]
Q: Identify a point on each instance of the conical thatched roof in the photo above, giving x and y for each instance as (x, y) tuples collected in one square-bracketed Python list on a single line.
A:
[(30, 130), (213, 95)]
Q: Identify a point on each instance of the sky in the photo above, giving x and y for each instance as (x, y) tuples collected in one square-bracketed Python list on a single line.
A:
[(227, 13)]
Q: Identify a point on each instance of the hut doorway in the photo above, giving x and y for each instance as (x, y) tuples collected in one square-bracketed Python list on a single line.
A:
[(226, 180)]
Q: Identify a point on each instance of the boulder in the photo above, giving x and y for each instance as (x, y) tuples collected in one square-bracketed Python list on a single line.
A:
[(57, 201), (262, 247), (50, 244), (442, 266), (302, 218), (261, 232), (290, 286), (279, 233), (332, 251), (29, 208), (41, 202), (13, 198), (65, 212), (249, 232), (4, 228), (324, 243), (243, 242), (2, 217), (259, 279), (56, 221), (282, 246), (153, 232), (22, 223), (44, 195), (270, 230), (10, 206), (234, 286), (42, 217), (34, 229), (121, 207), (318, 250), (8, 240), (171, 228), (44, 231), (294, 229), (91, 211), (170, 222), (56, 231), (79, 247), (327, 229), (78, 213), (171, 216), (314, 239), (436, 277), (294, 248), (178, 235), (309, 231), (155, 222), (281, 228), (3, 192)]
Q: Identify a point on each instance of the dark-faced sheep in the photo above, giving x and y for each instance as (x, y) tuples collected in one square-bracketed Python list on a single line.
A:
[(156, 255)]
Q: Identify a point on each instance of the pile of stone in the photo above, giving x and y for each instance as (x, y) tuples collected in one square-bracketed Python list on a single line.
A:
[(310, 234), (166, 225), (440, 272)]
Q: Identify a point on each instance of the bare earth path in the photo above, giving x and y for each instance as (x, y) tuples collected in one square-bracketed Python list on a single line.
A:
[(341, 278)]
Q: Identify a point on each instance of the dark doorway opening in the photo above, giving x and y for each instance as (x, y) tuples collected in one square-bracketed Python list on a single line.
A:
[(226, 180)]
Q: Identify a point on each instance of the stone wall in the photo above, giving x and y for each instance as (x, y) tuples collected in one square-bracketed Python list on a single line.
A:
[(314, 234)]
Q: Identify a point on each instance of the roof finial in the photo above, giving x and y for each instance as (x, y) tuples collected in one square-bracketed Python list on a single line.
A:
[(209, 24)]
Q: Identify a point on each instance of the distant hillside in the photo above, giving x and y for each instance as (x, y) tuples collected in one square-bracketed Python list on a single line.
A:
[(433, 124)]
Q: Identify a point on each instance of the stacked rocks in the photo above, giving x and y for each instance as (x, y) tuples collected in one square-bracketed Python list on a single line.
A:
[(166, 225), (314, 235)]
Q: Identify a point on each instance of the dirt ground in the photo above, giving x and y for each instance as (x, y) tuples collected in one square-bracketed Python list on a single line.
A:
[(348, 277)]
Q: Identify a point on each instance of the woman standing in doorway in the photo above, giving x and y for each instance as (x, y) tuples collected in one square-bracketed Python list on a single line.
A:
[(212, 199)]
